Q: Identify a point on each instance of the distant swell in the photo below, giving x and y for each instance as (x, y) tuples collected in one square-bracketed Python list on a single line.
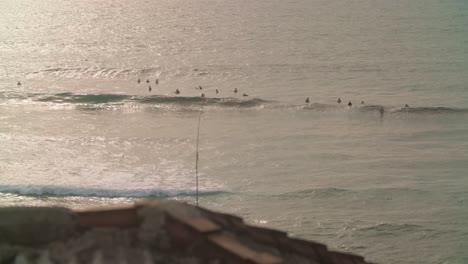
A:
[(394, 229), (60, 191), (317, 193), (391, 228), (432, 110), (123, 73), (373, 193), (98, 72)]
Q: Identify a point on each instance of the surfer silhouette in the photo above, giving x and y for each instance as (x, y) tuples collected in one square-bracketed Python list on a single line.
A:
[(381, 111), (149, 88), (362, 102), (406, 105), (157, 81), (19, 83), (339, 100), (139, 81), (177, 91), (307, 100), (147, 81), (217, 91), (245, 94), (350, 104), (199, 86), (202, 95), (235, 90)]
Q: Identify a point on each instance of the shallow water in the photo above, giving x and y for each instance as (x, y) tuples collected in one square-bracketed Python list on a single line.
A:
[(80, 131)]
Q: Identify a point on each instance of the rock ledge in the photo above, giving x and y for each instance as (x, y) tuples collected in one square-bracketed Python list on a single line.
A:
[(151, 231)]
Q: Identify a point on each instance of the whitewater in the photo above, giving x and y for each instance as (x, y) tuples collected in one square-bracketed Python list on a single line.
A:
[(80, 131)]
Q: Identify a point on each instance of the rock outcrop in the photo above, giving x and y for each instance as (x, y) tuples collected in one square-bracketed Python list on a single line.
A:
[(153, 231)]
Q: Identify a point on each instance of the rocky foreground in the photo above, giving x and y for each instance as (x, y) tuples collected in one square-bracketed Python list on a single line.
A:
[(155, 231)]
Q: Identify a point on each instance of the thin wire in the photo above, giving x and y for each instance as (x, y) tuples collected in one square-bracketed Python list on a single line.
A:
[(196, 156)]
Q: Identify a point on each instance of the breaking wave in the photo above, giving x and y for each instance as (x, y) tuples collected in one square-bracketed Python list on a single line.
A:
[(61, 191), (106, 100), (116, 101)]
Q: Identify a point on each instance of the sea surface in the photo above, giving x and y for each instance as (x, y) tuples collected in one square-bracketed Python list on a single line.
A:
[(81, 132)]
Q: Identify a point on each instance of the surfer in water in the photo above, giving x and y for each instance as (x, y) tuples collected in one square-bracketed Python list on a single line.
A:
[(350, 104), (381, 111), (406, 106), (217, 91), (139, 81), (199, 86), (362, 102), (307, 100), (235, 90), (202, 95), (157, 81), (339, 100), (177, 91), (19, 83), (147, 81), (245, 94), (149, 88)]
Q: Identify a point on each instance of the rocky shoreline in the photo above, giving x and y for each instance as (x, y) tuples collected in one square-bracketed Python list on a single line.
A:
[(151, 231)]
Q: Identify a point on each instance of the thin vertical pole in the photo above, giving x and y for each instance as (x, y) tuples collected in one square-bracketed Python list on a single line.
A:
[(196, 157)]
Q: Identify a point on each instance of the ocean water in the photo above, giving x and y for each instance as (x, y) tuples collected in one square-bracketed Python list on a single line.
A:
[(81, 132)]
